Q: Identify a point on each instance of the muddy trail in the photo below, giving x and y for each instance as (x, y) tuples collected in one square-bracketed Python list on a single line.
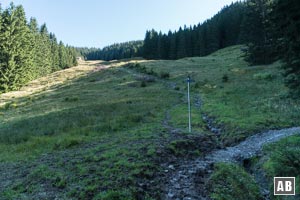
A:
[(187, 181)]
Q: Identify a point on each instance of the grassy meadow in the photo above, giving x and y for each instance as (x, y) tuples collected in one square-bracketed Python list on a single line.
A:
[(242, 99), (88, 134)]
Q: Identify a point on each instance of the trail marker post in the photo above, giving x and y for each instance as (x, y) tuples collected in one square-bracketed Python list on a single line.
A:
[(189, 103)]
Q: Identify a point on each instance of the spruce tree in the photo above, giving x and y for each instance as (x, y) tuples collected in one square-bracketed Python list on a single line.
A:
[(0, 17), (173, 46), (195, 40), (54, 53), (15, 49), (181, 44), (255, 31), (189, 42), (44, 54), (160, 46), (286, 16), (147, 45), (203, 40), (62, 55), (34, 29), (212, 43)]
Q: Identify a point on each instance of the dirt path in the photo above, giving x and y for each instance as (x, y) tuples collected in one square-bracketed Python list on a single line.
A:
[(188, 180)]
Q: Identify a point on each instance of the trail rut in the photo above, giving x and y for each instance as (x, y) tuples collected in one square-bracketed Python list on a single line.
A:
[(187, 181)]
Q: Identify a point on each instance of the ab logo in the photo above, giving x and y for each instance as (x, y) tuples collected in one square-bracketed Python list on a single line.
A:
[(284, 185)]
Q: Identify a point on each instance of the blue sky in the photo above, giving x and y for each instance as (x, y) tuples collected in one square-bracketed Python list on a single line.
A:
[(97, 23)]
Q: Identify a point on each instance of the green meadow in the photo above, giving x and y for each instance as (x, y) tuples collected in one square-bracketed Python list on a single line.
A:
[(99, 134)]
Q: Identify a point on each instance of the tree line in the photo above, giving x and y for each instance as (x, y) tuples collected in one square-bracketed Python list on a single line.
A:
[(269, 28), (220, 31), (112, 52), (28, 51)]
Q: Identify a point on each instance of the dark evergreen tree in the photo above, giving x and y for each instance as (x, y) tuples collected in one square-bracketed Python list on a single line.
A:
[(0, 18), (160, 46), (147, 45), (181, 44), (212, 38), (63, 56), (286, 16), (55, 53), (27, 51), (195, 41), (15, 49), (44, 54), (202, 40), (151, 45), (165, 46), (255, 31), (34, 29), (173, 45), (189, 42)]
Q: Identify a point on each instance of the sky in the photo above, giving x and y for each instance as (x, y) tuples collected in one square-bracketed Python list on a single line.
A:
[(98, 23)]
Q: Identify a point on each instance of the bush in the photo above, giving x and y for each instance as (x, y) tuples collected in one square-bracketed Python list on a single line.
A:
[(147, 79), (225, 78), (264, 76), (197, 84), (151, 72), (164, 75), (71, 99), (137, 66)]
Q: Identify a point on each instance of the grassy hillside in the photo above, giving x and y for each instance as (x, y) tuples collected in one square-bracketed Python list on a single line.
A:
[(90, 133), (243, 99)]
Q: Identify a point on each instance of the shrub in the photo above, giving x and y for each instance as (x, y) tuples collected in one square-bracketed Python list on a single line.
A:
[(164, 75), (151, 72), (148, 79), (71, 99), (225, 78), (264, 76), (198, 84)]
